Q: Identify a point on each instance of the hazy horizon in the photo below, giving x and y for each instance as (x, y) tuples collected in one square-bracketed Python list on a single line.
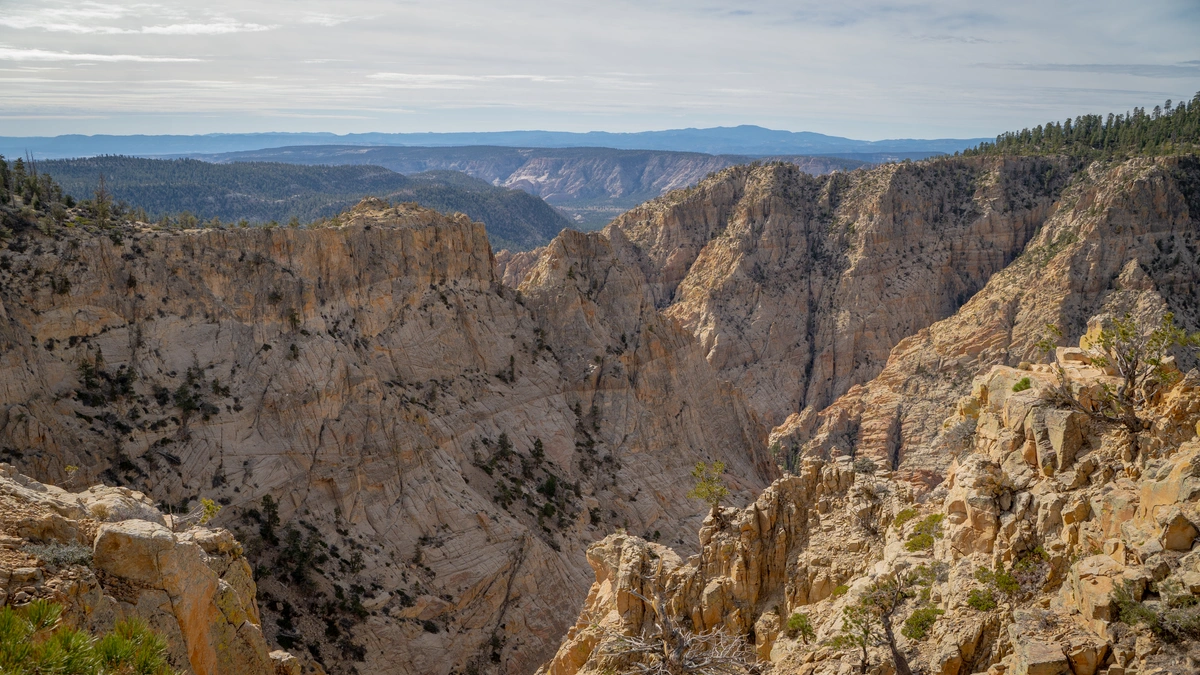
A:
[(866, 69)]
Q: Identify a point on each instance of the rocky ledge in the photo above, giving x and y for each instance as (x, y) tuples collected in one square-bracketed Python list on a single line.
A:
[(1057, 544), (107, 553)]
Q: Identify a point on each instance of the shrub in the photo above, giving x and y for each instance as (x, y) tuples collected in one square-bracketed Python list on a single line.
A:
[(709, 485), (1004, 582), (840, 590), (208, 510), (982, 600), (1176, 619), (865, 465), (1023, 384), (61, 554), (916, 626), (904, 516), (798, 625), (925, 532)]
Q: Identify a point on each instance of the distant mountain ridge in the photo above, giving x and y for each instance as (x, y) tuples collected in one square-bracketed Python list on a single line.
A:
[(261, 192), (739, 140), (592, 185)]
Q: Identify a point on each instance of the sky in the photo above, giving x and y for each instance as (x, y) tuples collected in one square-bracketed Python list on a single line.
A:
[(865, 69)]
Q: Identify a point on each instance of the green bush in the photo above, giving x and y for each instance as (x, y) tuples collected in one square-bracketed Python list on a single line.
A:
[(1177, 619), (1004, 582), (916, 627), (1023, 384), (798, 625), (840, 590), (904, 516), (925, 532), (982, 599), (33, 641)]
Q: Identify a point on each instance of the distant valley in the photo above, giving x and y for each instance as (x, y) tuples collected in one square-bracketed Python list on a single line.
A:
[(261, 192), (591, 185)]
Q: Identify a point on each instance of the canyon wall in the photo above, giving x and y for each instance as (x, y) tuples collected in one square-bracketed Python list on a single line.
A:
[(438, 448)]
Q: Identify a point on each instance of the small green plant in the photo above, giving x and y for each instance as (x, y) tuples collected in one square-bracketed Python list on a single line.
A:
[(840, 590), (917, 625), (1023, 384), (709, 486), (799, 626), (925, 533), (208, 510), (982, 599), (903, 517), (33, 641)]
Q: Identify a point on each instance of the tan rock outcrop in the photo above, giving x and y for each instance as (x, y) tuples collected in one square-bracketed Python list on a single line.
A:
[(137, 568)]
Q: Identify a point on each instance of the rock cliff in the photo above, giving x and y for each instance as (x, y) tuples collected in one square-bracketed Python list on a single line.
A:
[(1057, 544), (797, 287), (1051, 542), (107, 553), (1120, 238), (415, 455)]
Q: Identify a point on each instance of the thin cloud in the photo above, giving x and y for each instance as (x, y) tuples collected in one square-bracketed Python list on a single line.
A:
[(218, 28), (204, 28), (1133, 69), (10, 54), (961, 39), (446, 81), (328, 20)]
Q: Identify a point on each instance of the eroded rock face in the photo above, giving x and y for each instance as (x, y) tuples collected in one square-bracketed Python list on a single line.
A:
[(1030, 562), (201, 598), (440, 448), (1103, 250), (1045, 521), (798, 287)]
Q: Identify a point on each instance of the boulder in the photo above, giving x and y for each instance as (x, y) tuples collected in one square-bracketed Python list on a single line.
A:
[(1086, 655), (1071, 355), (285, 663), (130, 550), (1090, 586), (1035, 657), (1177, 533), (766, 629), (1056, 436), (1032, 653)]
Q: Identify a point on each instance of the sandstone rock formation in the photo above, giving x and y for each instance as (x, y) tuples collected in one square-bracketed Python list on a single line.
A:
[(442, 433), (106, 554), (439, 448), (1040, 567), (1118, 241), (797, 287)]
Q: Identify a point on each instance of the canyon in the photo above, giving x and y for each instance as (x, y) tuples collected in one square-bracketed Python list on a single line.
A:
[(418, 442)]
